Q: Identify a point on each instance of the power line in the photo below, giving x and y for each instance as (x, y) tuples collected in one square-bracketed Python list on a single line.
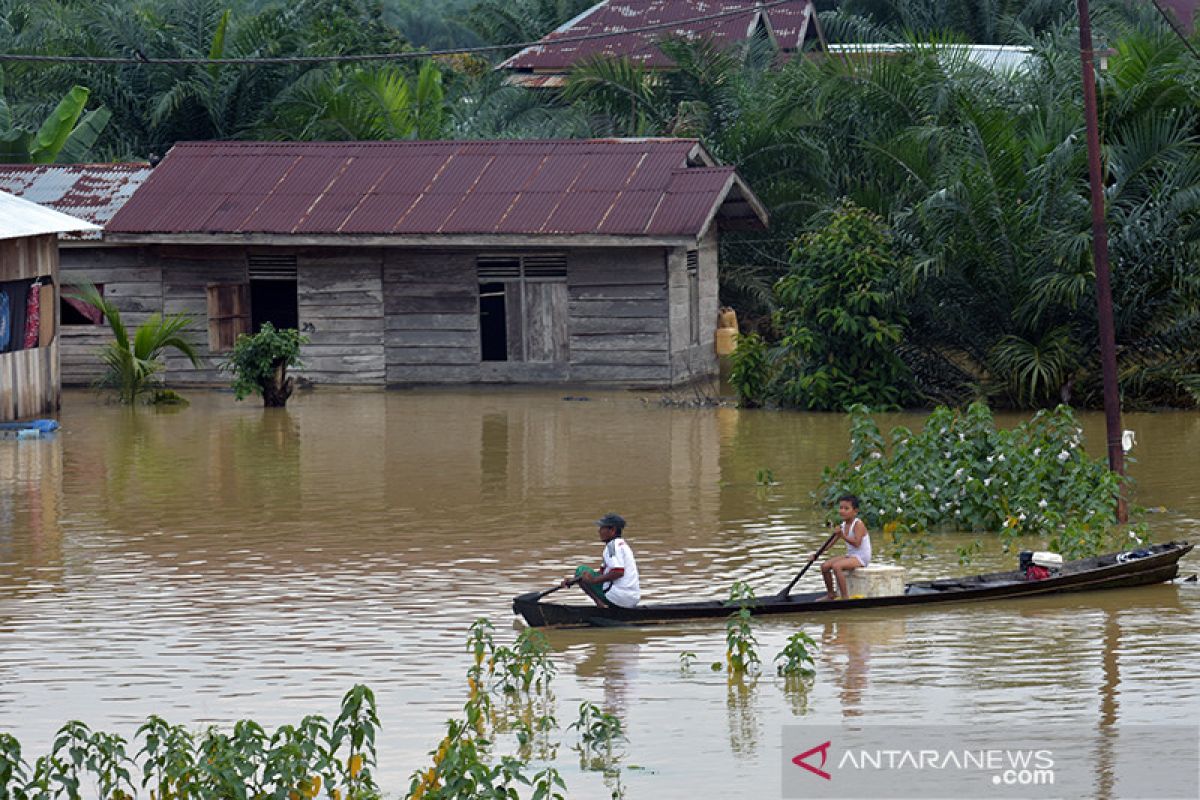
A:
[(415, 54), (1174, 25)]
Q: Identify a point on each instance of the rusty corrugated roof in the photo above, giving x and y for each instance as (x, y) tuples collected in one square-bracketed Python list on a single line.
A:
[(609, 187), (787, 22), (91, 192), (1184, 11)]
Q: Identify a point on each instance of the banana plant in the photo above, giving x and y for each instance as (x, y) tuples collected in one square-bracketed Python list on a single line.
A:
[(66, 136)]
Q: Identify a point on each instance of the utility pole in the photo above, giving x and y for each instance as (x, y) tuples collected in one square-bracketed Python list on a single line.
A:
[(1104, 309)]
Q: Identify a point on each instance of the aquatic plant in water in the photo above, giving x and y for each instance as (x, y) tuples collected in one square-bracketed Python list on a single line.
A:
[(294, 762), (796, 656), (741, 647), (960, 472)]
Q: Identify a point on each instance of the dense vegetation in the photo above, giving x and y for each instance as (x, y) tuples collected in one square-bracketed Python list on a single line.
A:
[(960, 472), (973, 176)]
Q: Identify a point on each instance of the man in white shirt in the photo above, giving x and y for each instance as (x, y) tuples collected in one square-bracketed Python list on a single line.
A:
[(617, 581)]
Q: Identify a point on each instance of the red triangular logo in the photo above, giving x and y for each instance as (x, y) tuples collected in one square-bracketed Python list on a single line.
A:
[(823, 749)]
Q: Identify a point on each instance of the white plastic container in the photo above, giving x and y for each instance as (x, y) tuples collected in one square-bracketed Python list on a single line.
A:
[(1044, 558), (877, 580)]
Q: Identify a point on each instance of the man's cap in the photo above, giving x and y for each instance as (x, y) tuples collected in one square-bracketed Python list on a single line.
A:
[(612, 521)]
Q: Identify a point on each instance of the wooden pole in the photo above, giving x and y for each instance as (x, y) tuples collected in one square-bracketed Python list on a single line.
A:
[(1104, 308)]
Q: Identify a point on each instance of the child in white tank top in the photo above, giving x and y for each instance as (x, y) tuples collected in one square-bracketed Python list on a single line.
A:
[(858, 549)]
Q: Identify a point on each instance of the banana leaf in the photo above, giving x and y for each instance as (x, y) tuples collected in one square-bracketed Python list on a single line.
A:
[(83, 138), (53, 134)]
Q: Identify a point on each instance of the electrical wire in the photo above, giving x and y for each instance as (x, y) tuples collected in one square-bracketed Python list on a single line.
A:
[(415, 54), (1174, 25)]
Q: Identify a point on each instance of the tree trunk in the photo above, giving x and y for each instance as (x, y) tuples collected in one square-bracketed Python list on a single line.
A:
[(279, 387)]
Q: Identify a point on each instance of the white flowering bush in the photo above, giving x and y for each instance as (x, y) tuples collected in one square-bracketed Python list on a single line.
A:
[(961, 473)]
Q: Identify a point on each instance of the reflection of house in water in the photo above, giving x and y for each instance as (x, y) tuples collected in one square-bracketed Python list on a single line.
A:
[(30, 499), (535, 467)]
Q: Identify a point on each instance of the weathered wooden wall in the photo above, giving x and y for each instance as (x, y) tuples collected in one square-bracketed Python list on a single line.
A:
[(410, 316), (30, 385), (689, 360), (616, 320), (431, 307), (186, 275), (340, 295), (130, 283)]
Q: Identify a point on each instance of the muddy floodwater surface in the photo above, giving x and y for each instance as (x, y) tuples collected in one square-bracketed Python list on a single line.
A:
[(221, 562)]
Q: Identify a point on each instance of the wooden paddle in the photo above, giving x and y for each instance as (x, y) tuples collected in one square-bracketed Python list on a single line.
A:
[(811, 561), (552, 591)]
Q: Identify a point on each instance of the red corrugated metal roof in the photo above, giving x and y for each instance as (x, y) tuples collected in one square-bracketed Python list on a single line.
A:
[(788, 22), (1184, 11), (91, 192), (629, 187)]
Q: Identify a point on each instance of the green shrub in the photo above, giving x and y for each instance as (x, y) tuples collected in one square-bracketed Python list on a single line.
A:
[(750, 372), (839, 323), (797, 656), (259, 364), (959, 472)]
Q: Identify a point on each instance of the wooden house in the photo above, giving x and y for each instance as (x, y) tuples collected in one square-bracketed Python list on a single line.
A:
[(445, 262), (93, 193), (29, 370)]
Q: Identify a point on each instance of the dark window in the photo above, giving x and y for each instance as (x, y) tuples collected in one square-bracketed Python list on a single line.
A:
[(273, 291)]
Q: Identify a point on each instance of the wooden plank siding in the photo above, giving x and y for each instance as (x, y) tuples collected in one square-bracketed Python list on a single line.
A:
[(691, 360), (619, 316), (431, 308), (340, 299), (30, 382), (187, 272), (401, 316), (130, 283)]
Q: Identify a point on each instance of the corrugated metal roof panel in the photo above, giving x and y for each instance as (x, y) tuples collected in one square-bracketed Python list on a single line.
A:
[(529, 212), (604, 186), (618, 17), (20, 217), (631, 213), (378, 213), (427, 216), (580, 211), (92, 192), (411, 172)]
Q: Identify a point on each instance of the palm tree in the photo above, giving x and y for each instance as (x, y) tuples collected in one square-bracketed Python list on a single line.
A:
[(133, 364)]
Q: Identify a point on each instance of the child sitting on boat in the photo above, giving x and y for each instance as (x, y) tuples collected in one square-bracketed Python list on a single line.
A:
[(858, 548)]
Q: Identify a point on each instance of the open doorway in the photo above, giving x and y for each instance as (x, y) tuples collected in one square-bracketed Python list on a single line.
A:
[(493, 324)]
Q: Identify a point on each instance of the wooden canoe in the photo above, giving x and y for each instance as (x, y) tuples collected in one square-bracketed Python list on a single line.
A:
[(1112, 571)]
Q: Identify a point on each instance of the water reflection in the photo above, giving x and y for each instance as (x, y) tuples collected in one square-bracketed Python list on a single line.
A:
[(225, 562), (846, 647), (615, 664)]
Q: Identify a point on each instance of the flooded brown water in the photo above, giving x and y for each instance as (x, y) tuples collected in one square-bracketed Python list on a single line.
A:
[(221, 562)]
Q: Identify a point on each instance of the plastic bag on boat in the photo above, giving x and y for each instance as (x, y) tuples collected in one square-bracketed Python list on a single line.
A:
[(1036, 572)]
